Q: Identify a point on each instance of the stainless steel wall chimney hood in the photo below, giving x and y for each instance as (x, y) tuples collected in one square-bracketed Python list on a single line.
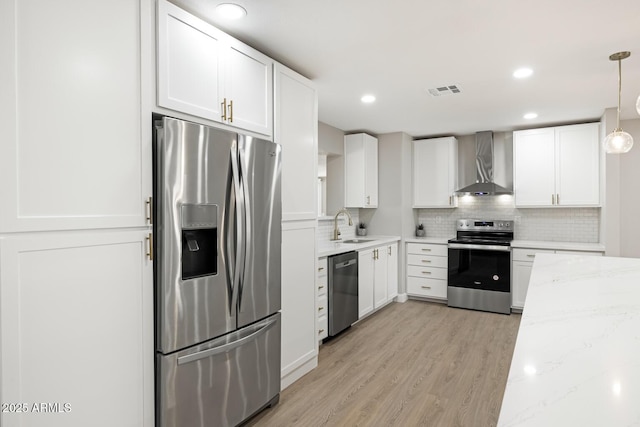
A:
[(484, 185)]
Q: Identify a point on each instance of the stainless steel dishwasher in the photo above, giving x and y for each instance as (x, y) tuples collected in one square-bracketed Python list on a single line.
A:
[(343, 291)]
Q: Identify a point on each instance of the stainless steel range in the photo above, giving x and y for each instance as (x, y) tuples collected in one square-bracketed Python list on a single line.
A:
[(479, 275)]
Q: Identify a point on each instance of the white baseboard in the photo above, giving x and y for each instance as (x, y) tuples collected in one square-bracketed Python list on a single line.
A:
[(402, 298), (298, 373)]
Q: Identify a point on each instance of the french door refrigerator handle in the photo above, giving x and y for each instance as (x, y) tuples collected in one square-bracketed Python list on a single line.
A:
[(246, 216), (226, 347), (239, 199)]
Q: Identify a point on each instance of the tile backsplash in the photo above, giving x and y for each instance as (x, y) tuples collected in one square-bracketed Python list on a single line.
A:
[(552, 224)]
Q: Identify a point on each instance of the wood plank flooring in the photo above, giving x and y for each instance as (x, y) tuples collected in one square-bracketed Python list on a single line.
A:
[(411, 364)]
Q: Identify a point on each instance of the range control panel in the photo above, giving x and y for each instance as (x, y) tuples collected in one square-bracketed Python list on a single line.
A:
[(484, 225)]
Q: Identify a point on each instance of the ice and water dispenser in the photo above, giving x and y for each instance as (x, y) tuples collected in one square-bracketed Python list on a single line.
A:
[(199, 240)]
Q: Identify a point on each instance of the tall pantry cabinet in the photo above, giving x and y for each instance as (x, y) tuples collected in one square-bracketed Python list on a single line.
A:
[(76, 297), (296, 129)]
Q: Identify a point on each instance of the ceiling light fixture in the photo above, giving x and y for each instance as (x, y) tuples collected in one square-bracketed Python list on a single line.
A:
[(368, 99), (530, 116), (522, 73), (231, 11), (618, 141)]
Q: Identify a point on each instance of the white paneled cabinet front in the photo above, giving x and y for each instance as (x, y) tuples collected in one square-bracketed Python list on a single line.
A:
[(296, 130), (75, 148), (558, 166), (361, 171), (77, 328), (299, 296), (377, 277), (435, 172), (204, 72)]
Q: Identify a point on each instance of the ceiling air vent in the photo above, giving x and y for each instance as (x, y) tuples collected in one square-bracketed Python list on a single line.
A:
[(445, 90)]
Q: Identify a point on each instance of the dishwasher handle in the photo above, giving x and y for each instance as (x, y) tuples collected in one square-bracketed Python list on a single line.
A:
[(345, 264)]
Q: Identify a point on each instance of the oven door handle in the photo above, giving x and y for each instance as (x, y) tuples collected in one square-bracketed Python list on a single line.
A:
[(480, 247)]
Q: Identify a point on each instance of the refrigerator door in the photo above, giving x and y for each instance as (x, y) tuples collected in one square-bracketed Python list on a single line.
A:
[(195, 227), (259, 294), (222, 382)]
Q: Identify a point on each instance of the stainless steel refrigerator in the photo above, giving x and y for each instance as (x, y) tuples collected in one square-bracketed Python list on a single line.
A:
[(217, 230)]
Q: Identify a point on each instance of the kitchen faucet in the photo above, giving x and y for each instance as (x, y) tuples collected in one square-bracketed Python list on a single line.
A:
[(336, 231)]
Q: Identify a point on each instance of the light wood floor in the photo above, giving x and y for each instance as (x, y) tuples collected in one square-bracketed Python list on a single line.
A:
[(411, 364)]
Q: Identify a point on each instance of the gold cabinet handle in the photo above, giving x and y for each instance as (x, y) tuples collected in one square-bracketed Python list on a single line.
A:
[(450, 200), (224, 109), (320, 268), (230, 111), (149, 204), (321, 287), (149, 240), (531, 255), (426, 249), (389, 250), (320, 308), (426, 272), (368, 200), (557, 199), (426, 260), (425, 287), (320, 331)]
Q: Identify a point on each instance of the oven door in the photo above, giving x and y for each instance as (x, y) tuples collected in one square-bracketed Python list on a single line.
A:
[(482, 267)]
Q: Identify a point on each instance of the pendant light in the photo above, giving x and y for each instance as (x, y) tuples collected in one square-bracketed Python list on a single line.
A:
[(618, 141)]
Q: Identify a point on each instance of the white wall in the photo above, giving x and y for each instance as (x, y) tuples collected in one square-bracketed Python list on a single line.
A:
[(630, 193)]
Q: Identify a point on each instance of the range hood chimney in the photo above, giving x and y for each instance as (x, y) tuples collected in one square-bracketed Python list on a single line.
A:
[(484, 185)]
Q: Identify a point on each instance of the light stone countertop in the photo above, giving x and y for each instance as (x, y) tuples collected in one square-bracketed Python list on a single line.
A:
[(577, 356), (567, 246), (338, 247), (433, 240)]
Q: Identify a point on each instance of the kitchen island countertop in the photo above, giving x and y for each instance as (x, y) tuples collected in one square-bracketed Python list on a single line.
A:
[(577, 356)]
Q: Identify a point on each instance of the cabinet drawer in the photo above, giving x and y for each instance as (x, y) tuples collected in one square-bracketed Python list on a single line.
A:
[(427, 260), (322, 267), (321, 283), (322, 306), (427, 272), (323, 327), (432, 288), (528, 254), (427, 249)]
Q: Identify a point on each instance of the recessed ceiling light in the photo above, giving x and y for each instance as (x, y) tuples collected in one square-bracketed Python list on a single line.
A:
[(530, 116), (368, 99), (231, 11), (522, 73)]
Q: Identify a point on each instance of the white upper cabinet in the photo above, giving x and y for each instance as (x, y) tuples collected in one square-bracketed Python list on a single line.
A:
[(435, 172), (204, 72), (361, 171), (296, 129), (557, 166), (75, 148)]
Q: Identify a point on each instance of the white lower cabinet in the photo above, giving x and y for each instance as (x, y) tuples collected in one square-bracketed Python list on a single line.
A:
[(299, 300), (377, 277), (427, 270), (521, 266), (322, 283), (76, 329)]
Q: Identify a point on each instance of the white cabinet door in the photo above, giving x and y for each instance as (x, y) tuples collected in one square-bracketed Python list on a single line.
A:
[(435, 172), (361, 171), (578, 178), (76, 320), (392, 271), (380, 271), (207, 73), (248, 85), (75, 148), (190, 56), (534, 167), (557, 166), (365, 282), (296, 130), (520, 282), (299, 319)]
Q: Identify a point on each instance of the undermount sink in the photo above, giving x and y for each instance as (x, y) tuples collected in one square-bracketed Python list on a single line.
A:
[(357, 241)]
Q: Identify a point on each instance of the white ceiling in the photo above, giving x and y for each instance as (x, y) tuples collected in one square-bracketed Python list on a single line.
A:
[(397, 50)]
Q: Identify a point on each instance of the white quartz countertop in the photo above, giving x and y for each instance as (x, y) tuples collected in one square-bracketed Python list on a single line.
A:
[(433, 240), (577, 356), (567, 246), (338, 247)]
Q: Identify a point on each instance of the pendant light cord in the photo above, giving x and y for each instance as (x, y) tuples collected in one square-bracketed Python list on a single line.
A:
[(619, 91)]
